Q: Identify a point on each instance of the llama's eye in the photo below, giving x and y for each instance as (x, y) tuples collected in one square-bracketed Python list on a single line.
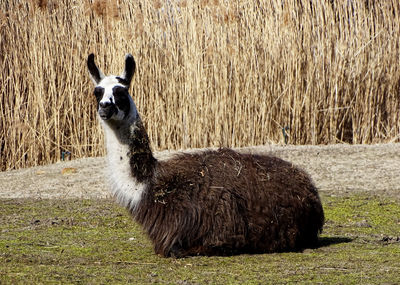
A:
[(121, 98), (98, 92), (119, 91)]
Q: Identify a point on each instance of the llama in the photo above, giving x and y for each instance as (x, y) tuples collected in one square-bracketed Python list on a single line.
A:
[(215, 202)]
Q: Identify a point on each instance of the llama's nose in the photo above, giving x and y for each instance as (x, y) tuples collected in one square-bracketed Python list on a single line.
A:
[(105, 104)]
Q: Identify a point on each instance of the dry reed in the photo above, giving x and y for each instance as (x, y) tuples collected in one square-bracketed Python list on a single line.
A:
[(210, 73)]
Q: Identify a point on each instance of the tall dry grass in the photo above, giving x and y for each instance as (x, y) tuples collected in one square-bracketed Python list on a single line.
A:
[(210, 73)]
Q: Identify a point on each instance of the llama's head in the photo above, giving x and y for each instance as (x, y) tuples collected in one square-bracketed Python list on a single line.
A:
[(113, 100)]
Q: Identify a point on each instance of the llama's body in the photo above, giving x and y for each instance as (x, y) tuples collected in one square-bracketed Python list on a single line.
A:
[(208, 203)]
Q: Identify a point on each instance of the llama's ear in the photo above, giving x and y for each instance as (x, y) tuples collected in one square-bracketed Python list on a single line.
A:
[(94, 71), (130, 67)]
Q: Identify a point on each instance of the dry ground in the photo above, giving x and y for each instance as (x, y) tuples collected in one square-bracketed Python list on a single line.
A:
[(336, 169)]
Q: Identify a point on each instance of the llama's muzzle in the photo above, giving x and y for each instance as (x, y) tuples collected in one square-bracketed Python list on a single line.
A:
[(107, 110)]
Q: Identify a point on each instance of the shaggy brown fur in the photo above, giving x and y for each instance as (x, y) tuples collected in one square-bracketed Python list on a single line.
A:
[(141, 159), (222, 202)]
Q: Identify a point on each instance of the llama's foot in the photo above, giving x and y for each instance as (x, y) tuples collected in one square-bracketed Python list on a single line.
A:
[(177, 251)]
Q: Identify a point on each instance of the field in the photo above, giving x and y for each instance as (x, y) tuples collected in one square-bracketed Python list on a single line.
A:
[(64, 228), (210, 73), (314, 82)]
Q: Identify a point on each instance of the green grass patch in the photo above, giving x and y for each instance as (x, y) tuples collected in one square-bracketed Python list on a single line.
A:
[(95, 241)]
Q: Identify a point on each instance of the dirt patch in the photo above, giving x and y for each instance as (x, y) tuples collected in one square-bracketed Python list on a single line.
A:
[(336, 169)]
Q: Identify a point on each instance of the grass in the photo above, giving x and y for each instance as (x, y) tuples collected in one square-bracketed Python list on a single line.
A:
[(210, 73), (94, 241)]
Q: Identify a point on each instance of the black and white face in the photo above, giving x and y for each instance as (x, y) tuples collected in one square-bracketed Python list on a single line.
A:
[(113, 100)]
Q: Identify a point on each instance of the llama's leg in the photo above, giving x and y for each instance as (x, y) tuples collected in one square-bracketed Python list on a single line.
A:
[(177, 251)]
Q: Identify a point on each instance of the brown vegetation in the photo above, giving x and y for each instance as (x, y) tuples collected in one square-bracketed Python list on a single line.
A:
[(212, 73)]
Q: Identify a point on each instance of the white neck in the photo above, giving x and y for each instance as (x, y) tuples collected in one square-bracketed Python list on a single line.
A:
[(125, 188)]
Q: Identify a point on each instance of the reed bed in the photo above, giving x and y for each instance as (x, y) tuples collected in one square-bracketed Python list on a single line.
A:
[(209, 73)]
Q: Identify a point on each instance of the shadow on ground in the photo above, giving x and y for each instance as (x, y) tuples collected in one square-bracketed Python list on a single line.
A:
[(328, 241)]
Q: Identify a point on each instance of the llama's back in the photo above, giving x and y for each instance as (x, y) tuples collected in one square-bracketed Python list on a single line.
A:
[(223, 202)]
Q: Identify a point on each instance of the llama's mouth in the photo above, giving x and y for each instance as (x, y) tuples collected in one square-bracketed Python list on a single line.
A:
[(108, 112)]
